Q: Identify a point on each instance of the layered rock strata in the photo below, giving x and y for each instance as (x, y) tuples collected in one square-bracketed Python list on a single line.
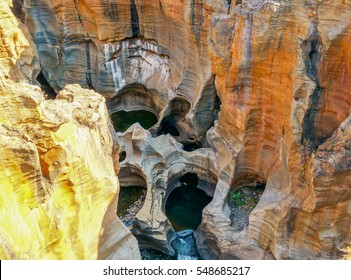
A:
[(158, 170), (120, 47), (272, 121), (58, 185), (280, 70), (270, 125)]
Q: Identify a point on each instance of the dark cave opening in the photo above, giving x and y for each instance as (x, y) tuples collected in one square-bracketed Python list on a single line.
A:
[(45, 86), (122, 156), (173, 122), (189, 179), (312, 52), (168, 126), (18, 11), (190, 146)]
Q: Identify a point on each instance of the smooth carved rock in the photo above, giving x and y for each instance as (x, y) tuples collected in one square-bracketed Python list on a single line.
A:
[(267, 89), (157, 164), (58, 185), (106, 46), (281, 71)]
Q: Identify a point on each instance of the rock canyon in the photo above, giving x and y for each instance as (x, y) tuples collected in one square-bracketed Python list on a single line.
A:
[(232, 117)]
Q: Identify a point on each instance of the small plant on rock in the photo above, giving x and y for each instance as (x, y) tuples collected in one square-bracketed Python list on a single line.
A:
[(237, 197)]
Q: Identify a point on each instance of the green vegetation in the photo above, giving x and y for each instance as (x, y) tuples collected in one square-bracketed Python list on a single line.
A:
[(237, 197), (122, 120), (246, 197)]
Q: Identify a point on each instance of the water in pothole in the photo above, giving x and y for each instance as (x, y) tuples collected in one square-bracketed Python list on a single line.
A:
[(122, 120), (130, 201), (184, 207)]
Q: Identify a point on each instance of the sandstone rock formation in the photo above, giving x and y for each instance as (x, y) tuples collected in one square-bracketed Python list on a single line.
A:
[(109, 45), (58, 185), (259, 88), (158, 170), (57, 178), (18, 57), (272, 109)]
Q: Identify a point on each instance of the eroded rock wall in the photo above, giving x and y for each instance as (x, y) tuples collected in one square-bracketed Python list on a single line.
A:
[(57, 178), (279, 91), (107, 45), (18, 57), (58, 197), (281, 71)]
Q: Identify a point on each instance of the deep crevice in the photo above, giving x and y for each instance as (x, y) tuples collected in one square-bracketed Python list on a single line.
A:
[(312, 48), (122, 156), (207, 109), (134, 18), (89, 70), (168, 126), (190, 146), (17, 10), (229, 5), (45, 86)]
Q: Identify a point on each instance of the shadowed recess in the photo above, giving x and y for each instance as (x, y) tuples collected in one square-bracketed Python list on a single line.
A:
[(241, 203), (45, 86), (122, 120), (190, 146), (122, 156), (126, 199), (168, 126)]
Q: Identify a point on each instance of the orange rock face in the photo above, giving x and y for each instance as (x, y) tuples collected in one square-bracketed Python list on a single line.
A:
[(270, 98)]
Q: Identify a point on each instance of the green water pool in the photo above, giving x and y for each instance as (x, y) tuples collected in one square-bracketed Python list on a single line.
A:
[(184, 207), (122, 120)]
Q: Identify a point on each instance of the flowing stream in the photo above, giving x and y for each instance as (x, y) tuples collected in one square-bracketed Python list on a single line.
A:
[(185, 245)]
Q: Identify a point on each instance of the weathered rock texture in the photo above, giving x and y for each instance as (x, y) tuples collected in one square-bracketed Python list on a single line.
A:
[(281, 70), (18, 57), (282, 95), (57, 178), (107, 45), (58, 184), (158, 170)]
